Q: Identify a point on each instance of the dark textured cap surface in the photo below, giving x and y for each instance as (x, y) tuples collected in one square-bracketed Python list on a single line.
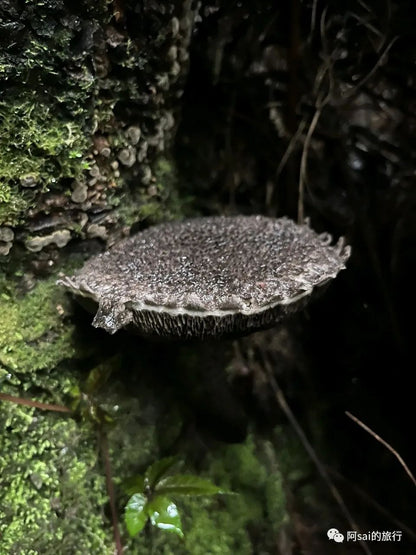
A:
[(208, 277)]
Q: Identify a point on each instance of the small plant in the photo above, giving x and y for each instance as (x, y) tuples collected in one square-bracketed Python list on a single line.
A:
[(152, 493)]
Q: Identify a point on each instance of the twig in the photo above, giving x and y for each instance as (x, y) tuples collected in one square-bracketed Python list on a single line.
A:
[(380, 60), (303, 163), (368, 499), (383, 442), (290, 147), (36, 404), (320, 104), (110, 491), (310, 450), (313, 18)]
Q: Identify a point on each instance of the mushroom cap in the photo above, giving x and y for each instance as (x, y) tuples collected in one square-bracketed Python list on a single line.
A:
[(208, 277)]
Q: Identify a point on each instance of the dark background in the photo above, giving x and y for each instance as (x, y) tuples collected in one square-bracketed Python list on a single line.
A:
[(259, 72)]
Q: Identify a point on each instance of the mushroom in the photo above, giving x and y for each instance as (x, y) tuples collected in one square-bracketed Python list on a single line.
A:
[(208, 277)]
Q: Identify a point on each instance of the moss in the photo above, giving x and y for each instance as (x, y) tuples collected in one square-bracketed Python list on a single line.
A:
[(35, 143), (50, 486), (51, 481), (299, 471), (33, 332), (12, 204), (218, 531), (52, 491), (251, 470), (45, 113), (150, 210), (241, 467), (275, 500)]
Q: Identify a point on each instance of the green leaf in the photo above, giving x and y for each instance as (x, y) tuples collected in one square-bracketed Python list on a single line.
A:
[(157, 470), (183, 484), (164, 514), (135, 515), (133, 485)]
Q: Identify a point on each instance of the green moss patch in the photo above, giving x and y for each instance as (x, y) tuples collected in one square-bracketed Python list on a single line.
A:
[(52, 485), (52, 491), (35, 142), (37, 145), (12, 203), (34, 333)]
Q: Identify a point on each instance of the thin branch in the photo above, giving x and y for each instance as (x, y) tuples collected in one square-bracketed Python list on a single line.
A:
[(35, 404), (310, 450), (110, 491), (383, 442), (313, 17), (303, 165), (290, 147), (320, 104), (368, 499), (355, 88)]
